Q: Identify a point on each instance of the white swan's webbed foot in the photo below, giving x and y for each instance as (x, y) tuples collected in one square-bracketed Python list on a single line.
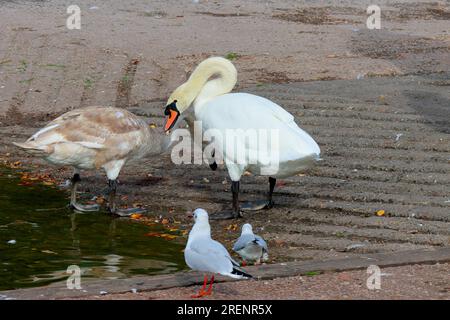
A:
[(235, 212), (213, 166), (261, 204), (226, 215), (257, 205)]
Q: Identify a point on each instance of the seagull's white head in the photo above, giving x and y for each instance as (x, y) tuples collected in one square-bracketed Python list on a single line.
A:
[(247, 228), (200, 215), (201, 225)]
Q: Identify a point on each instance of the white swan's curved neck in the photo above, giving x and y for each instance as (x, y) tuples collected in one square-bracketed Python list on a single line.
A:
[(212, 77), (210, 90)]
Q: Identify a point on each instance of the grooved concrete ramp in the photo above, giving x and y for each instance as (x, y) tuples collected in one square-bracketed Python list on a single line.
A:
[(385, 146)]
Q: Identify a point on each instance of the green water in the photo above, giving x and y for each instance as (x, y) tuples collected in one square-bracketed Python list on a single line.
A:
[(48, 238)]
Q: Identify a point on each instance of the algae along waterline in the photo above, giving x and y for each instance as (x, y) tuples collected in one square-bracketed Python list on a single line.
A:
[(40, 238)]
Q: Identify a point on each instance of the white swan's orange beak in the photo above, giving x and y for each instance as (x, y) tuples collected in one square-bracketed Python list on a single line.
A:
[(173, 113), (171, 120)]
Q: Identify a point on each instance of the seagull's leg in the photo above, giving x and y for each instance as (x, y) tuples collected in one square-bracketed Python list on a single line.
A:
[(210, 286), (205, 281), (112, 184), (73, 196), (261, 204), (202, 292), (236, 212)]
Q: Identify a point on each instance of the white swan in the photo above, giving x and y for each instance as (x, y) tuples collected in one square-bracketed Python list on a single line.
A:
[(92, 138), (207, 90)]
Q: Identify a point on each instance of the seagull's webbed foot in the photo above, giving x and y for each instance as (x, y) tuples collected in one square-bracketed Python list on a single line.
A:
[(257, 205), (202, 291), (201, 294), (84, 207)]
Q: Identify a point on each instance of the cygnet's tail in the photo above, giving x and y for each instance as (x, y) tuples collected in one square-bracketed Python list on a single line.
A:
[(32, 147)]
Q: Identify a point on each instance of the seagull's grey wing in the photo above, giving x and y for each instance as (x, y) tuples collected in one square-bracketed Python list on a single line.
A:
[(225, 252), (209, 255), (261, 242), (243, 241)]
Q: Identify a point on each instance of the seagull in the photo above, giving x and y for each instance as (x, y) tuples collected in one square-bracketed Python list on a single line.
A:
[(250, 246), (202, 253)]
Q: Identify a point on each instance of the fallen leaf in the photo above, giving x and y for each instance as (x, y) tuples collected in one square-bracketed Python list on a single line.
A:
[(100, 200), (168, 236), (312, 273), (231, 227), (381, 213), (161, 235), (136, 216), (153, 234)]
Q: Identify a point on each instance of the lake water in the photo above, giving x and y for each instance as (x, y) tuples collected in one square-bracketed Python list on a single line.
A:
[(40, 238)]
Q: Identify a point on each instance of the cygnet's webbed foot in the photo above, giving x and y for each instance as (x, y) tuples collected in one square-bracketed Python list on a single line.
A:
[(126, 212), (84, 207)]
